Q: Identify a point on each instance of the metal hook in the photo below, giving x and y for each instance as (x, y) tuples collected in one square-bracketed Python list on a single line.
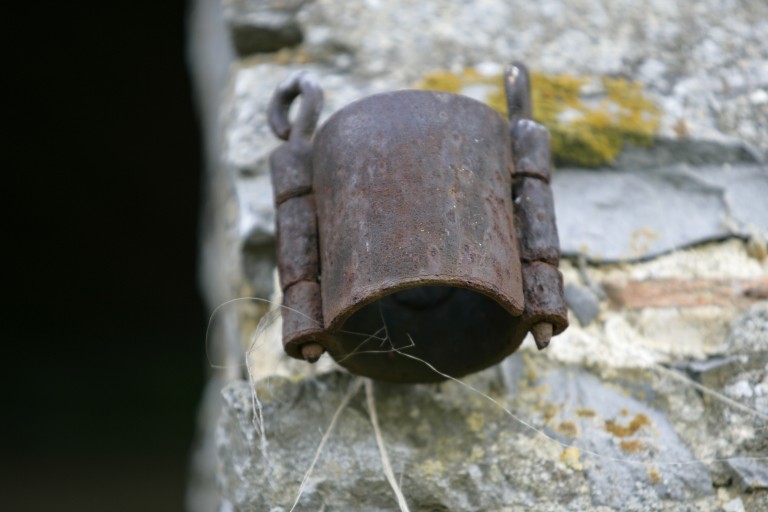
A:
[(300, 83), (518, 86)]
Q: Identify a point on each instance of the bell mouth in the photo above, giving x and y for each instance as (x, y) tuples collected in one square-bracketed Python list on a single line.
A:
[(423, 333)]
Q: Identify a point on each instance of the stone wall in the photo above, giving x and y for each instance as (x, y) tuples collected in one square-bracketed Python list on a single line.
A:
[(604, 418)]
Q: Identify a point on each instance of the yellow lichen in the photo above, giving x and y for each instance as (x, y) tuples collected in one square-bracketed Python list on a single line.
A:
[(442, 81), (632, 445), (475, 422), (570, 457), (432, 467), (477, 455), (568, 428), (585, 413), (639, 421), (587, 133)]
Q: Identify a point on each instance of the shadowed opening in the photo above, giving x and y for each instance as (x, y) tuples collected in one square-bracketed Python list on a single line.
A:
[(456, 330)]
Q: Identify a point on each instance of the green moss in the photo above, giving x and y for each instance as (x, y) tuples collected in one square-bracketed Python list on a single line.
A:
[(584, 132)]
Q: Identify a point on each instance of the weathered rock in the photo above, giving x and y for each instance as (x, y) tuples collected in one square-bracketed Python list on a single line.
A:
[(708, 70), (629, 215), (451, 449), (599, 389), (259, 26), (749, 333), (582, 302), (752, 475), (634, 443)]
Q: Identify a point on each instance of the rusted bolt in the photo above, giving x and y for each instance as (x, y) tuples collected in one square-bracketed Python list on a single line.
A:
[(418, 223), (542, 334)]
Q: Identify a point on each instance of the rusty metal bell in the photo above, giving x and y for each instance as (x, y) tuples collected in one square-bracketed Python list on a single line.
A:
[(414, 227)]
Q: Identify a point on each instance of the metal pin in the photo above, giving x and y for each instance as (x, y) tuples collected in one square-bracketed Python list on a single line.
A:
[(311, 352), (542, 333)]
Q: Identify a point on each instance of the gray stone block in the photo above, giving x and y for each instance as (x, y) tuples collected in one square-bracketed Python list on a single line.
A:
[(260, 26)]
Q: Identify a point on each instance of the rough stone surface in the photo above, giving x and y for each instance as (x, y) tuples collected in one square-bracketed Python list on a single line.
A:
[(750, 331), (582, 302), (451, 449), (752, 475), (619, 390), (258, 26), (706, 62), (635, 443), (634, 214)]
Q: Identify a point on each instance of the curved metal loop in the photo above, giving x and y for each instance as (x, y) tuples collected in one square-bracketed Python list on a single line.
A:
[(300, 83), (518, 87)]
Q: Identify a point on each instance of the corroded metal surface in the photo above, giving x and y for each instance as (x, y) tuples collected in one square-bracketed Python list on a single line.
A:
[(302, 316), (413, 189), (297, 240), (297, 254), (435, 231), (538, 234)]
